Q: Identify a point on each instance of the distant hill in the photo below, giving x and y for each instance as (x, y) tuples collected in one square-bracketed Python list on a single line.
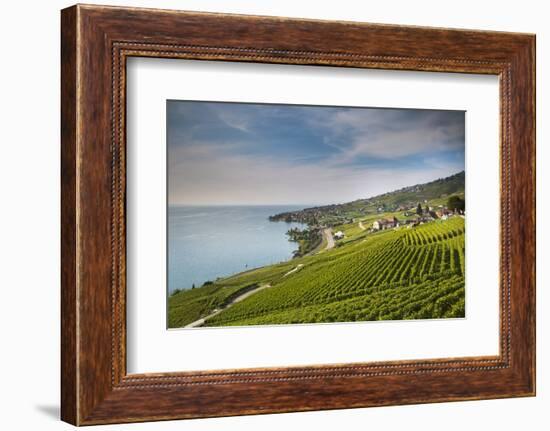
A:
[(392, 201), (427, 191)]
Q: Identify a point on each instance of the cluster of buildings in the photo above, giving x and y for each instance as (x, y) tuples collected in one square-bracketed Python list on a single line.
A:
[(412, 217), (384, 224), (428, 215)]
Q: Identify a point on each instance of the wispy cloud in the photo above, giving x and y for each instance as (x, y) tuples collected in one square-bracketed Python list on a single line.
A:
[(392, 133), (234, 120)]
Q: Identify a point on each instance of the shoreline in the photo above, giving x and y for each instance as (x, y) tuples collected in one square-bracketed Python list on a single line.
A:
[(245, 269)]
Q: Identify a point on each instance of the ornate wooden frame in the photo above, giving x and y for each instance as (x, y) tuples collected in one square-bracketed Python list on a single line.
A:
[(95, 42)]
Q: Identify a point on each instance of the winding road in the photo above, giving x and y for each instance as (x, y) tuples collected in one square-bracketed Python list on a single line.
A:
[(327, 233), (292, 271), (239, 298)]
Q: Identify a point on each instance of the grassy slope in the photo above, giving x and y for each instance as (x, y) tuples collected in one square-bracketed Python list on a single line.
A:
[(190, 305), (406, 273)]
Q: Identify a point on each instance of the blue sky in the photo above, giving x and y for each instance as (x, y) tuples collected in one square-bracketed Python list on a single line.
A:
[(237, 153)]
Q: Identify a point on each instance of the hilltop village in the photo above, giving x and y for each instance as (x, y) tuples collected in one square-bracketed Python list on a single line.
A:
[(417, 216)]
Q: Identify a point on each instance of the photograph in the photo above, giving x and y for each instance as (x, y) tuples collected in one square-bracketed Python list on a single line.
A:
[(273, 201), (298, 214)]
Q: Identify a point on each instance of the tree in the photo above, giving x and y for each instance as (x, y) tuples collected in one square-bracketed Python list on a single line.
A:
[(192, 287), (455, 203), (427, 210), (419, 209)]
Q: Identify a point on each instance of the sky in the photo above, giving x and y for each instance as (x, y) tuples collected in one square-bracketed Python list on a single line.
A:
[(265, 154)]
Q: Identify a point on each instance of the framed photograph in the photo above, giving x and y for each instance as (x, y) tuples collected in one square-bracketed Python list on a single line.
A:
[(265, 215)]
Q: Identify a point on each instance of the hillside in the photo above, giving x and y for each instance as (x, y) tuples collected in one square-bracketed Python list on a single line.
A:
[(403, 273), (407, 197)]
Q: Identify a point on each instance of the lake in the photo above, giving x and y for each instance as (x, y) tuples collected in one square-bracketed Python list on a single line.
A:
[(217, 241)]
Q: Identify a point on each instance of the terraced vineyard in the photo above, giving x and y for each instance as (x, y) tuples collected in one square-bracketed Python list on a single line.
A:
[(414, 273)]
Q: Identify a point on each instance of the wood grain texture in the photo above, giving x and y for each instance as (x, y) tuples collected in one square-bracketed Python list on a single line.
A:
[(69, 366), (96, 41)]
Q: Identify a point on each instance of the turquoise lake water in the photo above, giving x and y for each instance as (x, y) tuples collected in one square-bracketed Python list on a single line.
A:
[(209, 242)]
